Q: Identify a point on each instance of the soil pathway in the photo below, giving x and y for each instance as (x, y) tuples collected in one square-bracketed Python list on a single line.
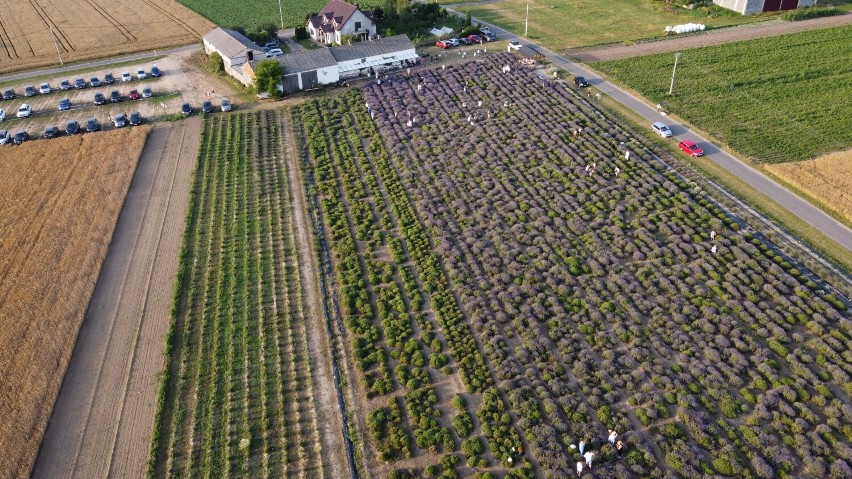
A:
[(104, 415)]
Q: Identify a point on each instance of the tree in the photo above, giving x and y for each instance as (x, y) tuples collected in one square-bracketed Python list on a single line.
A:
[(268, 75), (378, 13), (215, 63), (467, 20), (301, 33)]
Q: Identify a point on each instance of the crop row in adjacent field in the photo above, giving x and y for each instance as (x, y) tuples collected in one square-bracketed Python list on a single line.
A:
[(773, 99), (59, 203), (827, 178), (239, 398), (599, 292), (250, 14)]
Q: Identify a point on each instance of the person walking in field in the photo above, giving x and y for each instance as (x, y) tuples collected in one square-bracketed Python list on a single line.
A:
[(619, 446), (589, 456), (612, 436), (579, 469), (617, 171), (582, 445), (712, 234), (627, 155)]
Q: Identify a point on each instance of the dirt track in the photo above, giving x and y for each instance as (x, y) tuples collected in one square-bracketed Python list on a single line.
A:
[(713, 37), (104, 415)]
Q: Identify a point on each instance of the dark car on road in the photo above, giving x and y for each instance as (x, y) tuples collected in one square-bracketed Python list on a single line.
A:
[(186, 109), (95, 82), (135, 118), (73, 127), (30, 90), (155, 72), (92, 125), (65, 85), (100, 99), (20, 137), (115, 96), (489, 36), (79, 83), (207, 106), (51, 132), (64, 104), (581, 82), (109, 79), (9, 94)]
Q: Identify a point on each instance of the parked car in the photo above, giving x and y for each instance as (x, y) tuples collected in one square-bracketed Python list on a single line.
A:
[(186, 109), (72, 127), (119, 120), (465, 41), (207, 106), (454, 42), (29, 90), (140, 73), (442, 44), (474, 38), (64, 104), (65, 85), (155, 72), (147, 92), (9, 94), (274, 53), (109, 79), (690, 148), (271, 45), (134, 94), (52, 132), (126, 76), (661, 129), (226, 104), (2, 114), (135, 118), (92, 125), (489, 37), (100, 99), (79, 83), (5, 137), (20, 137), (24, 111), (514, 45), (95, 82), (44, 88), (581, 82), (115, 96)]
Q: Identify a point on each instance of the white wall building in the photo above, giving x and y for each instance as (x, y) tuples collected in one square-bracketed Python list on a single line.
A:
[(338, 19), (748, 7), (235, 50)]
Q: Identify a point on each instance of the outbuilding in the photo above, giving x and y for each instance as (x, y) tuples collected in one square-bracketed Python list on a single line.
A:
[(308, 69), (235, 50), (362, 58), (747, 7)]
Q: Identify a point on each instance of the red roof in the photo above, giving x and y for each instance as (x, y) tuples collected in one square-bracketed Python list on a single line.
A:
[(336, 11)]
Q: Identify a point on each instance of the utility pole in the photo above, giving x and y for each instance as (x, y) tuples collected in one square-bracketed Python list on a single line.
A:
[(527, 21), (677, 56), (280, 14), (55, 43)]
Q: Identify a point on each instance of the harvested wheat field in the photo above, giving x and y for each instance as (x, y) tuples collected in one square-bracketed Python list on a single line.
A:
[(86, 29), (59, 202), (828, 179)]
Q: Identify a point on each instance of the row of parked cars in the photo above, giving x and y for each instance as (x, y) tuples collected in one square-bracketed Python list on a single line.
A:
[(80, 83), (26, 110), (483, 36), (72, 128), (206, 107)]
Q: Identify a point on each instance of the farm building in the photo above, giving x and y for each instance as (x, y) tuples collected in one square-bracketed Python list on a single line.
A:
[(324, 66), (747, 7), (338, 19), (235, 49)]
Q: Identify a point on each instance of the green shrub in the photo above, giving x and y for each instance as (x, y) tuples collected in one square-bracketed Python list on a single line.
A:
[(808, 13)]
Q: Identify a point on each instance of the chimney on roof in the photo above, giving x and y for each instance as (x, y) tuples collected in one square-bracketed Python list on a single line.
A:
[(357, 7)]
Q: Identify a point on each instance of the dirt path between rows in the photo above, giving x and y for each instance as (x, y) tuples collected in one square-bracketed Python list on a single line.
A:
[(711, 37), (103, 418)]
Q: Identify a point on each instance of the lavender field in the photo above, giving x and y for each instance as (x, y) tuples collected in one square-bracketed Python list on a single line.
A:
[(518, 274)]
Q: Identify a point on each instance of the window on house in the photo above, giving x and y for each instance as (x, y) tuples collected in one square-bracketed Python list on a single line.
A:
[(357, 25)]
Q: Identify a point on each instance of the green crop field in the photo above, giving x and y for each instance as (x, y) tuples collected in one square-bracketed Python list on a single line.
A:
[(251, 13), (565, 24), (237, 400), (775, 99)]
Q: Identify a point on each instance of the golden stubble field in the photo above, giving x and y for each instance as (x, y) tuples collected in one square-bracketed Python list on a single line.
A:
[(828, 179), (59, 203), (86, 29)]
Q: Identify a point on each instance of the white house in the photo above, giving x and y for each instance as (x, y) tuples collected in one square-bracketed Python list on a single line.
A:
[(338, 19), (747, 7), (235, 50)]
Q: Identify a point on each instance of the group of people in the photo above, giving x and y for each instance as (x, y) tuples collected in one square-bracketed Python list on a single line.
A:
[(590, 455)]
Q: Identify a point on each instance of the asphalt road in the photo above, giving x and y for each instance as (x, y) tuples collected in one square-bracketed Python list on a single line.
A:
[(784, 197), (95, 63)]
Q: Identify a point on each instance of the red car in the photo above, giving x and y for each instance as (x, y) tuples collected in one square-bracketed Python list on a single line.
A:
[(442, 44), (690, 148), (134, 94), (475, 38)]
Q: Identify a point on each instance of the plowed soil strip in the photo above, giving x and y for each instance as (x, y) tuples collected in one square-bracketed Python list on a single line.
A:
[(104, 415)]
